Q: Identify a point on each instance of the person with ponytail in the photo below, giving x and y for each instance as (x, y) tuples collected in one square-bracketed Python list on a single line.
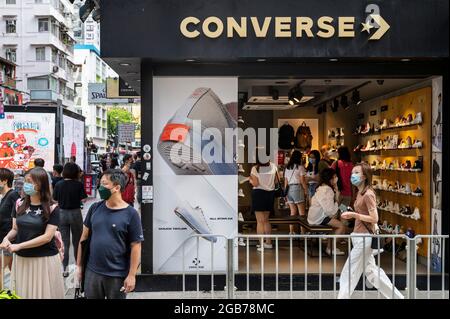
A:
[(361, 256)]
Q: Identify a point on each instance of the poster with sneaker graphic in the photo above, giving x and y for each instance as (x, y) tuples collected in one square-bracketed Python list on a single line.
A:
[(436, 174), (195, 173), (436, 244), (437, 115)]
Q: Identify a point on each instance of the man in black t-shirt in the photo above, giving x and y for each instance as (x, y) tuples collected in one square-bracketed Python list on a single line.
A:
[(7, 203)]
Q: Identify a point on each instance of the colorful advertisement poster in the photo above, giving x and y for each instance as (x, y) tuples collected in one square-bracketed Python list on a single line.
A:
[(193, 195), (25, 137), (73, 139)]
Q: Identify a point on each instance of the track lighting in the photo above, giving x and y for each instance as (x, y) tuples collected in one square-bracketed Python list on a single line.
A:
[(344, 102), (335, 105), (356, 98)]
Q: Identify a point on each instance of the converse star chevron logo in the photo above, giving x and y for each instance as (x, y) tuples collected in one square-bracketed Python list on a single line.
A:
[(38, 211), (28, 211)]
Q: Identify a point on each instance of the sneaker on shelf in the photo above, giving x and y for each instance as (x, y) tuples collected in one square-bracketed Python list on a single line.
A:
[(241, 193), (417, 165), (241, 169), (417, 144), (416, 214), (384, 225), (374, 145), (417, 119), (242, 242), (333, 134), (366, 128), (408, 188), (396, 229), (385, 184), (408, 164), (408, 211), (336, 252), (243, 179), (240, 217), (409, 118), (384, 125), (409, 142), (417, 191), (368, 146), (377, 127), (384, 165), (398, 121), (240, 119), (397, 208), (389, 229)]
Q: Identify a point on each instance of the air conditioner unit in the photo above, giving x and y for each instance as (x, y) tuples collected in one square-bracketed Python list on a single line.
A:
[(261, 99), (55, 69)]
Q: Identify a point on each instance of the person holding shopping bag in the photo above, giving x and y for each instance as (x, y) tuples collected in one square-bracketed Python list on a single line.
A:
[(366, 219)]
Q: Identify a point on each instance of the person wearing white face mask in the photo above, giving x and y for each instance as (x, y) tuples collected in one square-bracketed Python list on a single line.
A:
[(366, 219)]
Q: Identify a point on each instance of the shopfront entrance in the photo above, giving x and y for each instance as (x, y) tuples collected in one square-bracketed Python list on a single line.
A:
[(398, 69)]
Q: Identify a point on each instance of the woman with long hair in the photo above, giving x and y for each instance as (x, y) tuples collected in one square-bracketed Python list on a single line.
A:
[(263, 178), (70, 194), (312, 172), (324, 206), (294, 180), (366, 219), (37, 271)]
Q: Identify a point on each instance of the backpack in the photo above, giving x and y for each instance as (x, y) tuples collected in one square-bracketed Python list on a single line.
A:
[(128, 192), (303, 137)]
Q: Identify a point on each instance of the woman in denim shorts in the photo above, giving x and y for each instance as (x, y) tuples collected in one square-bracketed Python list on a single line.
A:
[(294, 178)]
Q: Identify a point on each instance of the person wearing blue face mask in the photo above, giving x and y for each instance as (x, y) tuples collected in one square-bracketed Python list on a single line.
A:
[(37, 271), (366, 219), (312, 173)]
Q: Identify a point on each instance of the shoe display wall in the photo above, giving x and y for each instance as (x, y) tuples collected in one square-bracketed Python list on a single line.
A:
[(394, 142)]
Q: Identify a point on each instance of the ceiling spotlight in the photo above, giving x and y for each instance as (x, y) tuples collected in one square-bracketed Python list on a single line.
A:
[(344, 102), (319, 110), (291, 97), (298, 94), (356, 98), (275, 93), (335, 105)]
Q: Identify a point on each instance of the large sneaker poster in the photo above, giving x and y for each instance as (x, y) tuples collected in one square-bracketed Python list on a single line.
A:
[(195, 172)]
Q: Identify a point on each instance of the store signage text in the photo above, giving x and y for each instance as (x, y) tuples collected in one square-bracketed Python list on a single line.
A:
[(285, 27)]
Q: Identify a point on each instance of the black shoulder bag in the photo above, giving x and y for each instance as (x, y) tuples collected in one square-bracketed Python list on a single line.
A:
[(85, 247), (279, 192), (375, 241)]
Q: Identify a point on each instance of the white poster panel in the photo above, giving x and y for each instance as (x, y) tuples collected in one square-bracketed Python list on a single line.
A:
[(436, 244), (437, 118), (25, 137), (73, 139), (199, 198)]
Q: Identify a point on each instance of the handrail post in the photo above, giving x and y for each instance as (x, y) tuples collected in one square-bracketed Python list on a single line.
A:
[(230, 269), (411, 270)]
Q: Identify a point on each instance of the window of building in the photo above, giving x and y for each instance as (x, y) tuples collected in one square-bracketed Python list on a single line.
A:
[(62, 61), (40, 54), (38, 1), (54, 84), (11, 54), (55, 28), (89, 36), (37, 83), (11, 25), (10, 1), (90, 27), (43, 24), (55, 56)]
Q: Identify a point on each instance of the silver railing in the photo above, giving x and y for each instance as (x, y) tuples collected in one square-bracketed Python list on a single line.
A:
[(403, 274)]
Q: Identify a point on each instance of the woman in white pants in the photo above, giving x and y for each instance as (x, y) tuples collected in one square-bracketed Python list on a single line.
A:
[(366, 216)]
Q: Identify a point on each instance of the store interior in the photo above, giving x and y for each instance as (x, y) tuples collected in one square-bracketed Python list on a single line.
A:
[(387, 123)]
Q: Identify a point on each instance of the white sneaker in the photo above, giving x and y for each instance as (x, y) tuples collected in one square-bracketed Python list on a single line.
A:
[(241, 193), (240, 217), (416, 214), (241, 242), (266, 246), (337, 252), (417, 119), (241, 169)]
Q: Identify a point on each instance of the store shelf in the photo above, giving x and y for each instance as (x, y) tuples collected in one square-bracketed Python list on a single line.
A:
[(396, 192), (396, 170), (393, 213), (389, 149), (393, 128)]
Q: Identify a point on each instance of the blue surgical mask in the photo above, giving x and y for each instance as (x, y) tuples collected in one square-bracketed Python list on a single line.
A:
[(29, 189), (355, 179), (312, 160)]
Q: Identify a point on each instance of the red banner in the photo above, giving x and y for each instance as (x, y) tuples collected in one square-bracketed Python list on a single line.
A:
[(88, 184)]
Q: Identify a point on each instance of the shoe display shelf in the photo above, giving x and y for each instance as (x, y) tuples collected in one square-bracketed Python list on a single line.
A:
[(415, 101)]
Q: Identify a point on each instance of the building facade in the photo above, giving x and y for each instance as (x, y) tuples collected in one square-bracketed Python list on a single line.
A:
[(37, 36)]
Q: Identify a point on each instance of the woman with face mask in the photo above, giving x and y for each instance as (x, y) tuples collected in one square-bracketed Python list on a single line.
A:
[(37, 271), (324, 206), (312, 175), (366, 218)]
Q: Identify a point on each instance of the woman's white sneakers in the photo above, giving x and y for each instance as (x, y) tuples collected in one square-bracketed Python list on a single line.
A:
[(266, 246)]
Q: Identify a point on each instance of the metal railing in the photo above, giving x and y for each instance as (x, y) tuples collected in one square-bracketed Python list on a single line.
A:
[(284, 282)]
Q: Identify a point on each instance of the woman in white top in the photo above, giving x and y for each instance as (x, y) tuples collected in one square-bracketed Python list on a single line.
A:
[(324, 206), (294, 178), (263, 177)]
